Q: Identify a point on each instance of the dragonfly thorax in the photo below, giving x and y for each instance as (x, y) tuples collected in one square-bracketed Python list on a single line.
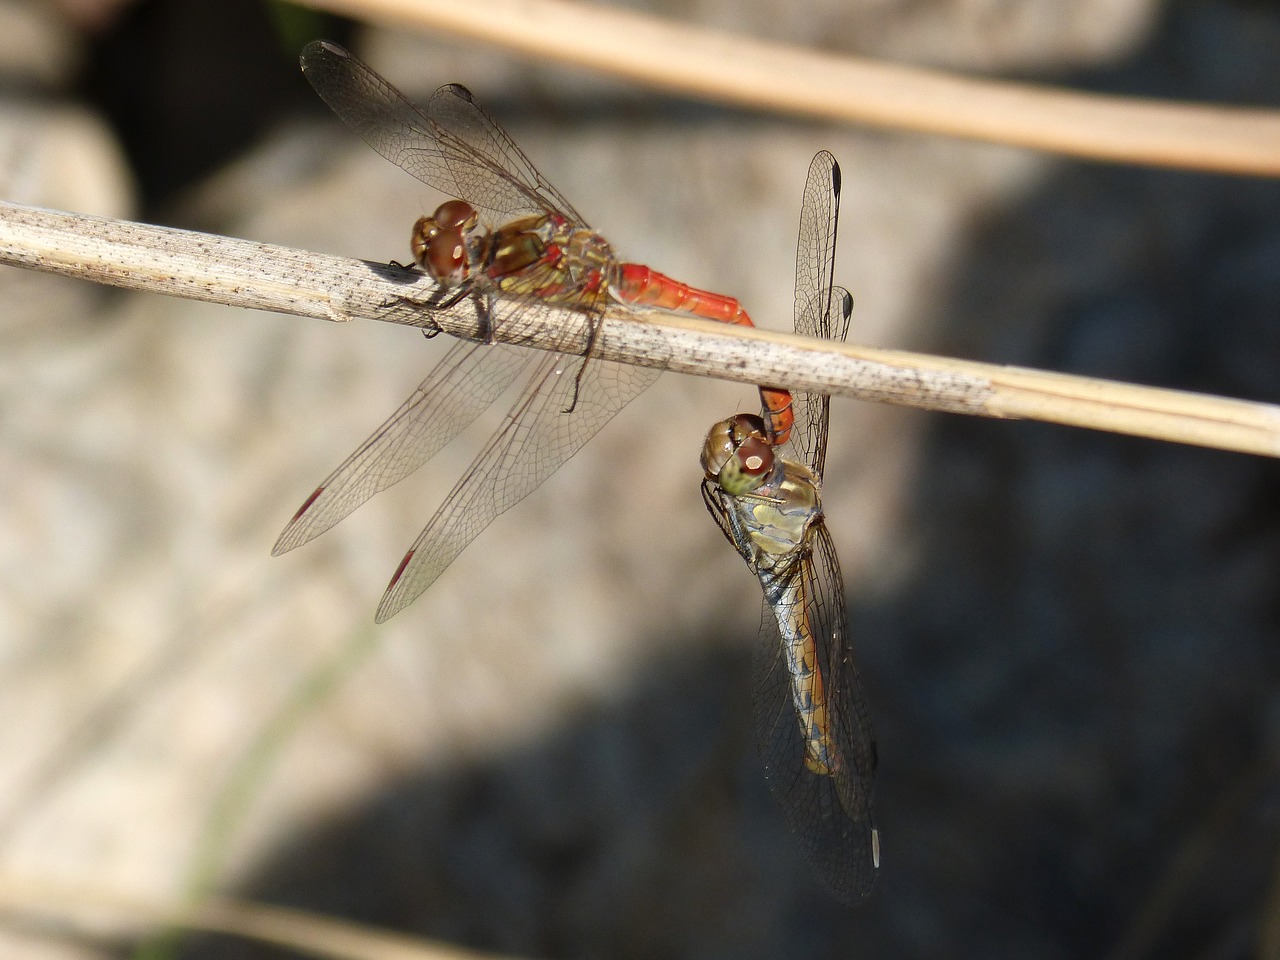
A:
[(777, 516), (543, 256)]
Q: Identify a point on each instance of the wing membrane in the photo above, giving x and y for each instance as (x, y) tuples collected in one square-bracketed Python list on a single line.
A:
[(452, 145), (458, 389), (536, 438)]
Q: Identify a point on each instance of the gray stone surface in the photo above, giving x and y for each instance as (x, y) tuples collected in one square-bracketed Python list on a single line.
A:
[(1068, 639)]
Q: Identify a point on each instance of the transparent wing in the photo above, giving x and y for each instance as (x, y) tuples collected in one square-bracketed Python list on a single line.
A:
[(816, 246), (809, 436), (830, 815), (822, 310), (547, 425), (452, 145), (469, 378)]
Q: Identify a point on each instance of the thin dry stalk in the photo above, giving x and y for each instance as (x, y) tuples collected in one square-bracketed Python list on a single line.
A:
[(264, 277), (90, 912), (683, 58)]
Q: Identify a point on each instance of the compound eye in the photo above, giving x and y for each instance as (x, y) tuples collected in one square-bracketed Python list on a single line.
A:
[(747, 425), (444, 256), (424, 229), (724, 439), (748, 468), (455, 215), (754, 458), (718, 448)]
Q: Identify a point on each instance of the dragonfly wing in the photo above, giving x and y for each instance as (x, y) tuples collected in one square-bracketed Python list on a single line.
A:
[(821, 309), (469, 378), (466, 130), (816, 244), (809, 436), (539, 434), (453, 145), (830, 815)]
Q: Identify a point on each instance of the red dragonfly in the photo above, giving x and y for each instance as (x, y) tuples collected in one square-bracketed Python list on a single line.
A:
[(539, 254), (812, 724)]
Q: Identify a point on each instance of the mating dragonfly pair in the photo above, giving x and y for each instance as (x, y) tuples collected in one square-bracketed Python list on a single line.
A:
[(762, 474)]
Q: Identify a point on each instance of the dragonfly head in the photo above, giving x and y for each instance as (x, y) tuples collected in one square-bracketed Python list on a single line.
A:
[(439, 242), (737, 454)]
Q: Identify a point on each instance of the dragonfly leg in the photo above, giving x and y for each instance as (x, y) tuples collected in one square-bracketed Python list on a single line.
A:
[(484, 316), (593, 328), (452, 300), (741, 539)]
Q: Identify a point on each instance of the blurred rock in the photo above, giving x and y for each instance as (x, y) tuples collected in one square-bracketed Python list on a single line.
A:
[(62, 157), (36, 44)]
